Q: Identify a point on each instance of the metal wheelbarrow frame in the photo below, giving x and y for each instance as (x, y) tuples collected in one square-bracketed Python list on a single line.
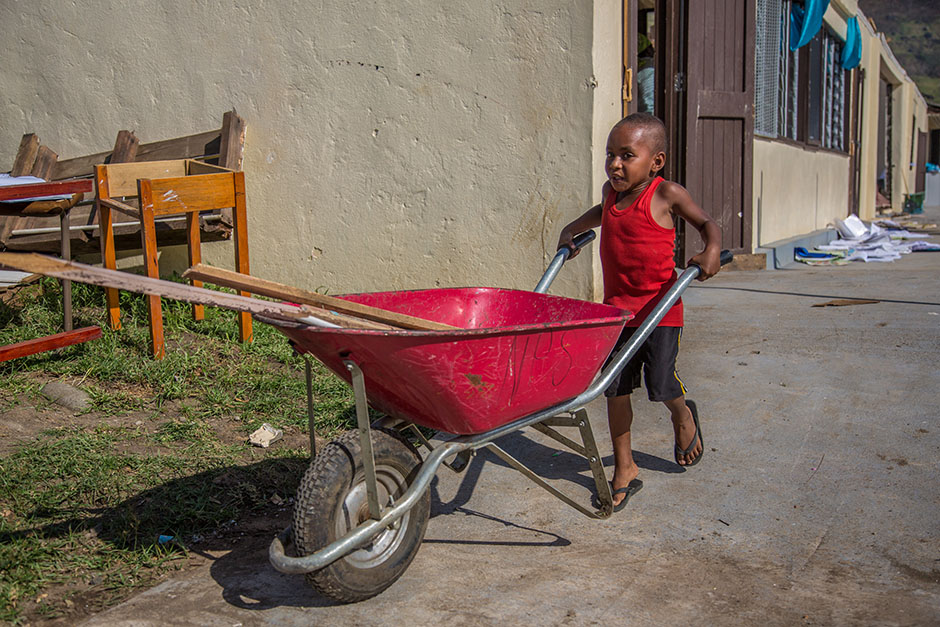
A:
[(386, 517)]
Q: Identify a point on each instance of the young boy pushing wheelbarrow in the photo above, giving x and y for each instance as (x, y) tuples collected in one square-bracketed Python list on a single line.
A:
[(637, 248)]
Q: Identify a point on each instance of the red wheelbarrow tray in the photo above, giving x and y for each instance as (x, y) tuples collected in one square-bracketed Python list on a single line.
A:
[(515, 353)]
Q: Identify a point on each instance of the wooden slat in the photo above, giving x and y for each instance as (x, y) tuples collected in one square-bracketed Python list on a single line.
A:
[(79, 166), (235, 280), (191, 146), (723, 104), (122, 177), (232, 140), (120, 206), (125, 147), (73, 271), (168, 149), (45, 163), (52, 188), (49, 342), (25, 155), (201, 167), (202, 192)]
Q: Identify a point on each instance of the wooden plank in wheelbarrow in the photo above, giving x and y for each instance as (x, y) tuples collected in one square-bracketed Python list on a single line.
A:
[(73, 271), (236, 280)]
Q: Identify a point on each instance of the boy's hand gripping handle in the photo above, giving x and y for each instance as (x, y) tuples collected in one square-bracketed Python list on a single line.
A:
[(723, 259), (560, 257)]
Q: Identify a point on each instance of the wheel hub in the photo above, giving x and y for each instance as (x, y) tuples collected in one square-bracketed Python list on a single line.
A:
[(355, 506)]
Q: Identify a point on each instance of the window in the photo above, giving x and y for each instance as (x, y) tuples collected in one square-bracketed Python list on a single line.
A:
[(833, 93), (799, 94)]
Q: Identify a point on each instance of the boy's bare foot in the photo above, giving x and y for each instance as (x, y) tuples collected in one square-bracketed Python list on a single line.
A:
[(622, 478), (688, 436)]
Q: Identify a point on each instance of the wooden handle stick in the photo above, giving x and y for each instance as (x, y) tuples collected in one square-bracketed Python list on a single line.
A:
[(72, 271), (244, 282)]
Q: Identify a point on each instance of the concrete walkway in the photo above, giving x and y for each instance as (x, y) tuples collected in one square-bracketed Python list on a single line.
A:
[(817, 500)]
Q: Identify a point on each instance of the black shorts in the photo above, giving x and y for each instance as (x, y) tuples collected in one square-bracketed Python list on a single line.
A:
[(657, 359)]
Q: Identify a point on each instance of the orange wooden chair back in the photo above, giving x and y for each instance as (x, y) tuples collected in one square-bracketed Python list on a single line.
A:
[(182, 187)]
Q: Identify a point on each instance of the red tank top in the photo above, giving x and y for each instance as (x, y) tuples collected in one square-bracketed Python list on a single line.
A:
[(637, 255)]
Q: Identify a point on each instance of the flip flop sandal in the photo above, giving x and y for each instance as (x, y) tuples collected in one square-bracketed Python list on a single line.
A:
[(632, 488), (698, 436)]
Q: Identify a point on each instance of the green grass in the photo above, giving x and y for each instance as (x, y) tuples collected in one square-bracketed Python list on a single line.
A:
[(82, 508), (260, 382)]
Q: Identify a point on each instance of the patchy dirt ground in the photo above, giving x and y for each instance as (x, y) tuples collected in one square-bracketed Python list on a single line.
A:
[(25, 420), (88, 594)]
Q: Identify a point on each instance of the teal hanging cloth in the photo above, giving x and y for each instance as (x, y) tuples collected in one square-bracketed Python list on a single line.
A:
[(806, 21), (852, 51)]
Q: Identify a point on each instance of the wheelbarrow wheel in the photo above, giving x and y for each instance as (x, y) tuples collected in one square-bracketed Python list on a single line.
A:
[(332, 500)]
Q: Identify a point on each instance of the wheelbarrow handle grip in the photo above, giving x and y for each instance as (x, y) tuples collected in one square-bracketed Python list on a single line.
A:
[(583, 239), (723, 259), (561, 255)]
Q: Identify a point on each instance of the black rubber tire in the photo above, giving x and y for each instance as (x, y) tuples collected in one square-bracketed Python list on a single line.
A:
[(335, 483)]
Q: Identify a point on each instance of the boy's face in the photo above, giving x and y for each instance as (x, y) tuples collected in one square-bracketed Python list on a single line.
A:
[(631, 158)]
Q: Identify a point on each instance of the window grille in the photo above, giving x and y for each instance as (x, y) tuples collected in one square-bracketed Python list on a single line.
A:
[(834, 94), (767, 67)]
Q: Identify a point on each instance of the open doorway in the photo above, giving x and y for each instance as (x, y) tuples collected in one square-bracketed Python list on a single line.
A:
[(639, 60), (885, 167), (646, 57)]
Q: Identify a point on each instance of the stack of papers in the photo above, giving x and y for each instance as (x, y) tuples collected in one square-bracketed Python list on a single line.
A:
[(859, 241)]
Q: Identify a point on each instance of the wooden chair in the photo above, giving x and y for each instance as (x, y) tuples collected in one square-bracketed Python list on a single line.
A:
[(166, 188)]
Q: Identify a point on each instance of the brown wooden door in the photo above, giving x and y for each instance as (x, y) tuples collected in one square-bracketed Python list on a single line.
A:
[(719, 117), (670, 84)]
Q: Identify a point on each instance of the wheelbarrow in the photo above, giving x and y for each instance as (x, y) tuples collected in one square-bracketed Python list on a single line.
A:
[(518, 359)]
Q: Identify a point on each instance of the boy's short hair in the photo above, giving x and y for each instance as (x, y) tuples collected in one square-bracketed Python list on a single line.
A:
[(652, 126)]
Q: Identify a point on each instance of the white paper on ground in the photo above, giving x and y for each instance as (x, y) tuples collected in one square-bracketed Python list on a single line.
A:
[(852, 228)]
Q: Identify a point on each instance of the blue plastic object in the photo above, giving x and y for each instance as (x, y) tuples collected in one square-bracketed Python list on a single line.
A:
[(806, 22)]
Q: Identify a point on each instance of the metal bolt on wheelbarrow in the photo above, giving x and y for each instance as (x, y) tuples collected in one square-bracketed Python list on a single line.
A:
[(518, 359)]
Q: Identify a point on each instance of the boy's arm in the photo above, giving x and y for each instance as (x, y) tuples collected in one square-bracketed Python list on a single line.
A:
[(682, 205), (588, 220)]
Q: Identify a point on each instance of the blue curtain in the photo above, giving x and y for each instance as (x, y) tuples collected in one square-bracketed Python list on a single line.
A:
[(852, 51), (806, 21)]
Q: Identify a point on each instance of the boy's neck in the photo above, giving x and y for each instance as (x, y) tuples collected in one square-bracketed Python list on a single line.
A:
[(637, 189)]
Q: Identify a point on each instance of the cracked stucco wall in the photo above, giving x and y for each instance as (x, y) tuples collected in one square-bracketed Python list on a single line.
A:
[(389, 145)]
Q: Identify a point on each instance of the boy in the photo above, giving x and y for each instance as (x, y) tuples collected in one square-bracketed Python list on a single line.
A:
[(637, 220)]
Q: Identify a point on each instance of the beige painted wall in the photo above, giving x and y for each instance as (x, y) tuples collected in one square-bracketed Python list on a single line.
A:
[(390, 145), (796, 191), (910, 115)]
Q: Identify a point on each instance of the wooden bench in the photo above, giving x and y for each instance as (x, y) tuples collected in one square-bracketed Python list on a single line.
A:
[(223, 146)]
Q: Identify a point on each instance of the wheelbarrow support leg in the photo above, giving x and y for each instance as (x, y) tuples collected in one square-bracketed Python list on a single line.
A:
[(362, 419), (526, 471), (309, 374), (604, 495), (589, 451)]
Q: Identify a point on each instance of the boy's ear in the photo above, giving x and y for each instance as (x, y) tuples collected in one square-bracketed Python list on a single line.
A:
[(659, 162)]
